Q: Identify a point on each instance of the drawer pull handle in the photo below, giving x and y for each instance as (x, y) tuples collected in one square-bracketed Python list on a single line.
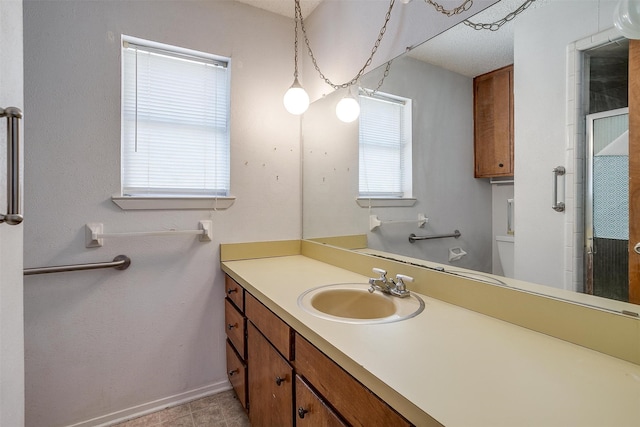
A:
[(279, 381), (230, 326), (231, 291), (232, 373), (302, 412)]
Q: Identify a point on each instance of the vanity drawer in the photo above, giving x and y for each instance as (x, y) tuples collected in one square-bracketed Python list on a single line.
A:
[(235, 325), (237, 374), (356, 403), (234, 292), (271, 326), (311, 410)]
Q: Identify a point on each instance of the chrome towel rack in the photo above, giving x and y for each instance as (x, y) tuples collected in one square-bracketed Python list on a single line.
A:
[(13, 215), (121, 262), (413, 238)]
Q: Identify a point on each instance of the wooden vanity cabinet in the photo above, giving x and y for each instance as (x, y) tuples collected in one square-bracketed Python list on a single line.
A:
[(270, 383), (352, 400), (270, 375), (237, 373), (234, 293), (311, 410), (493, 123), (235, 326), (283, 380)]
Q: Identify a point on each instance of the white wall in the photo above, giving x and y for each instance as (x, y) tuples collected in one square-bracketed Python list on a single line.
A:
[(98, 343), (544, 106), (11, 236), (443, 182)]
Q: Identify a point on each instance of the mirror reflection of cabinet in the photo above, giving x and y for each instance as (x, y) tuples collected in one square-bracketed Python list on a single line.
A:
[(493, 123)]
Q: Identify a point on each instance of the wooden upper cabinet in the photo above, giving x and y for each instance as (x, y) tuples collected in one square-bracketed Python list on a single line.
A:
[(493, 123)]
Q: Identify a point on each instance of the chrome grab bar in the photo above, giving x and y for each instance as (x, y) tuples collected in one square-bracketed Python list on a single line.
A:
[(121, 262), (13, 215), (413, 238), (557, 206)]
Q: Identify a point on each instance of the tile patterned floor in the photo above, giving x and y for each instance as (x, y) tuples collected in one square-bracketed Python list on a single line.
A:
[(218, 410)]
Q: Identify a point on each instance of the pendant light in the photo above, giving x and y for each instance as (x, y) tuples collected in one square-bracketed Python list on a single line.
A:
[(348, 108), (626, 18), (296, 99)]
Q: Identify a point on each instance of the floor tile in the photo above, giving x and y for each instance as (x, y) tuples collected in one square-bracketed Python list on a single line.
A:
[(175, 412), (218, 410), (185, 421)]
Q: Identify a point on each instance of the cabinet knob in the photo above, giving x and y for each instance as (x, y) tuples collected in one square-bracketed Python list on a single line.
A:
[(230, 326), (279, 381), (500, 165), (302, 412), (231, 291), (233, 372)]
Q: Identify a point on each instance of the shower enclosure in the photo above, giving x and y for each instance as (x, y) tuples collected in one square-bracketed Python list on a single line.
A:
[(607, 205)]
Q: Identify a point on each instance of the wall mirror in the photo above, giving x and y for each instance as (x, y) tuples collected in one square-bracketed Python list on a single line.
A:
[(548, 249)]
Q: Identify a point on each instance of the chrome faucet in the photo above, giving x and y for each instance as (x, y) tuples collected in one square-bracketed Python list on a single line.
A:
[(395, 287)]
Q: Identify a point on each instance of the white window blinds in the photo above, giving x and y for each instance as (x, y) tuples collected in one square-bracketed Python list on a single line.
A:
[(175, 122), (385, 147)]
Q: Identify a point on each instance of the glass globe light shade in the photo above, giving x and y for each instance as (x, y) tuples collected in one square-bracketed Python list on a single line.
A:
[(626, 18), (348, 109), (296, 100)]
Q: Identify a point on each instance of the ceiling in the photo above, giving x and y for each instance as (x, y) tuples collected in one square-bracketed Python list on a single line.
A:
[(460, 49), (471, 52), (283, 7)]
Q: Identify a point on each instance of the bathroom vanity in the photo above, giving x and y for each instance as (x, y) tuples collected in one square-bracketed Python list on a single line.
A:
[(449, 365)]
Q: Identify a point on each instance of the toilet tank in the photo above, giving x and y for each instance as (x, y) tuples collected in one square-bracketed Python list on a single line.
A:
[(505, 253)]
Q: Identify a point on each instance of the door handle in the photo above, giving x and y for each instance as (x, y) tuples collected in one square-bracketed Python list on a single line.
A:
[(13, 215), (557, 206), (636, 248)]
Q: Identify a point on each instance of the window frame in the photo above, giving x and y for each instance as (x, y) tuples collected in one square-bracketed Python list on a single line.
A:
[(406, 151), (177, 200)]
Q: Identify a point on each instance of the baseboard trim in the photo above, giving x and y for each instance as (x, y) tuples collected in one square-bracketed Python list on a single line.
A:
[(153, 406)]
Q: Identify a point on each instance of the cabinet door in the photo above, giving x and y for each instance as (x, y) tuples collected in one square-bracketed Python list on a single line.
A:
[(270, 383), (234, 292), (235, 324), (311, 410), (277, 332), (352, 400), (493, 123), (237, 374)]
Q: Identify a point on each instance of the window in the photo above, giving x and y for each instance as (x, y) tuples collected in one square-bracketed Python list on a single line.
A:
[(385, 147), (175, 122)]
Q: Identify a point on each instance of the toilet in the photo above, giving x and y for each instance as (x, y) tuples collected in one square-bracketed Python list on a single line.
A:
[(505, 253)]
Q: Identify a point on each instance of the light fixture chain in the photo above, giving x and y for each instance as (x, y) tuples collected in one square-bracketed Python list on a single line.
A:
[(295, 44), (367, 63), (495, 26), (455, 11), (384, 76)]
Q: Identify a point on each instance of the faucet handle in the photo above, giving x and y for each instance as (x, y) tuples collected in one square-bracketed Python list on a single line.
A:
[(400, 288), (401, 278), (381, 272)]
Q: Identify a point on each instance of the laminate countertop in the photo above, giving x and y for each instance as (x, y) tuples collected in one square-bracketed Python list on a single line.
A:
[(450, 365)]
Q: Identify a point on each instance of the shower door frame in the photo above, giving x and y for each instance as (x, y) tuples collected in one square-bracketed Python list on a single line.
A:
[(588, 209)]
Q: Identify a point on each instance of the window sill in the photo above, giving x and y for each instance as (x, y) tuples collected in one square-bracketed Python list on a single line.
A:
[(382, 203), (173, 203)]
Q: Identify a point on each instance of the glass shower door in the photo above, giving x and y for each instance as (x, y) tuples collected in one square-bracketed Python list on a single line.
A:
[(607, 205)]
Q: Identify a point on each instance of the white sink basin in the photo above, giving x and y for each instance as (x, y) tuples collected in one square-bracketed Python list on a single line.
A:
[(353, 303)]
